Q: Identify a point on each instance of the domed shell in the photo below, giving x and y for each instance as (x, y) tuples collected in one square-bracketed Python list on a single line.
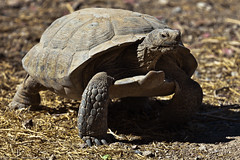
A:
[(72, 41)]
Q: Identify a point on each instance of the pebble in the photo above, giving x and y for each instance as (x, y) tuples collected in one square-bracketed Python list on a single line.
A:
[(176, 10), (14, 3), (163, 2), (135, 147), (234, 74), (204, 5), (147, 153), (202, 148), (201, 5), (138, 152)]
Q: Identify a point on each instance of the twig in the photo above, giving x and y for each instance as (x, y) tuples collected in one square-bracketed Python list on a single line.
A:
[(70, 8), (114, 134), (230, 20), (234, 91)]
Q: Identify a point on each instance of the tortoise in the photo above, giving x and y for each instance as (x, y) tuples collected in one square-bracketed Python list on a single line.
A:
[(96, 54)]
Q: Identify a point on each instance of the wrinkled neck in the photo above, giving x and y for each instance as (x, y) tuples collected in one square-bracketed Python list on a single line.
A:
[(147, 57)]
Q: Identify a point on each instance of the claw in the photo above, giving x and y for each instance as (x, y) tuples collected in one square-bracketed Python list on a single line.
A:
[(104, 142), (89, 143), (97, 142)]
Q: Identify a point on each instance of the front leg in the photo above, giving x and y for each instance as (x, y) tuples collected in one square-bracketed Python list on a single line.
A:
[(188, 93), (92, 115)]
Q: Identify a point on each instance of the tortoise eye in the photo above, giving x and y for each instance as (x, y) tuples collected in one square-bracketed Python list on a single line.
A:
[(164, 35)]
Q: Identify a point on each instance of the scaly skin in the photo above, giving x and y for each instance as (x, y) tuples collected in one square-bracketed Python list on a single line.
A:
[(92, 115), (27, 94), (188, 93)]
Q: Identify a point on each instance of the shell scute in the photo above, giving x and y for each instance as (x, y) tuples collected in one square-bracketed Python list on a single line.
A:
[(73, 41), (92, 34), (51, 31), (63, 35)]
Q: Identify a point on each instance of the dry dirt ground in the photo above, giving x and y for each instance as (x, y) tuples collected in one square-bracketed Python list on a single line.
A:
[(211, 29)]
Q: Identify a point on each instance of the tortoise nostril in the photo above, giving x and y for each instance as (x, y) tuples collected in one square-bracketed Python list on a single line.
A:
[(178, 36)]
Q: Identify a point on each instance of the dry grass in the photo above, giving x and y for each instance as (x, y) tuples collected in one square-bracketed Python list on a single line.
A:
[(50, 132)]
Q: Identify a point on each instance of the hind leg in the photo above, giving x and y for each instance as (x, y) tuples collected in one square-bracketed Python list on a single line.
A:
[(27, 94)]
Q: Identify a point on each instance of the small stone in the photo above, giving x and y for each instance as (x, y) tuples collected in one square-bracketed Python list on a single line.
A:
[(163, 2), (201, 5), (202, 148), (138, 152), (134, 147), (204, 5), (147, 153), (14, 3), (176, 10), (234, 74)]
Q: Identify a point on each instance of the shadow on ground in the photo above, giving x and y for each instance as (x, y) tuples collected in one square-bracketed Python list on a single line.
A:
[(210, 125)]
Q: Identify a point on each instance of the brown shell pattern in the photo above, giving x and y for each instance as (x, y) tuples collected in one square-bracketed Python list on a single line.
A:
[(71, 41)]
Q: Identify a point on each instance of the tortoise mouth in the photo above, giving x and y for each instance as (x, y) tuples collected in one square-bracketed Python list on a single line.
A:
[(168, 47), (172, 45)]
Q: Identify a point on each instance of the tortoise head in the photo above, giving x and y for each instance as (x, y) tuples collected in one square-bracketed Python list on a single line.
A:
[(163, 38), (157, 43), (165, 42)]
